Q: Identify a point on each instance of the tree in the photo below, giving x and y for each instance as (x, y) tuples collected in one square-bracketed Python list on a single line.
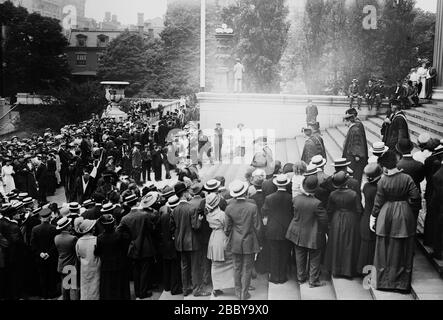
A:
[(423, 33), (34, 51), (261, 29), (181, 41)]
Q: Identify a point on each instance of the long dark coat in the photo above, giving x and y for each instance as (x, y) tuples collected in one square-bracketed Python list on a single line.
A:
[(344, 210), (398, 129), (356, 146), (278, 209), (112, 249), (186, 223)]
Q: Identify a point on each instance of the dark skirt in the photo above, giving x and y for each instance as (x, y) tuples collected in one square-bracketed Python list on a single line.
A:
[(393, 263), (342, 250), (114, 285), (366, 255)]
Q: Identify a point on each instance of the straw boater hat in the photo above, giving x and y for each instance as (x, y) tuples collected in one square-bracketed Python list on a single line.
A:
[(212, 185), (281, 180), (88, 203), (173, 202), (74, 206), (107, 208), (340, 163), (319, 161), (149, 200), (212, 201), (378, 148), (311, 170), (27, 201), (63, 223), (238, 188), (131, 199)]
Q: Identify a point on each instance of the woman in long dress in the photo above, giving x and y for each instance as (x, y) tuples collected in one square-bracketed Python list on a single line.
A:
[(89, 262), (7, 176), (222, 270), (373, 173), (422, 74), (344, 209), (395, 225)]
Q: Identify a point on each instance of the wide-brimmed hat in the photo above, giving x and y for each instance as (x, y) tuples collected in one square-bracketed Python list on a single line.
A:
[(423, 139), (107, 208), (84, 225), (196, 188), (404, 146), (339, 179), (107, 219), (238, 188), (310, 184), (281, 180), (212, 201), (319, 161), (167, 192), (63, 223), (149, 200), (212, 185), (378, 148), (342, 162), (373, 172), (180, 187), (173, 202), (45, 212), (74, 206)]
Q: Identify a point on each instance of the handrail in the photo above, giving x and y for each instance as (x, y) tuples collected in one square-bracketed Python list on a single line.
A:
[(10, 110)]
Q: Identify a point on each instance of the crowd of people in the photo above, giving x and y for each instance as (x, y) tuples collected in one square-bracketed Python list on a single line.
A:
[(192, 235)]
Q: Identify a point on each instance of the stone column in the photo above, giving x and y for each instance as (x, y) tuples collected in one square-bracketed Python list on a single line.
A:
[(438, 51)]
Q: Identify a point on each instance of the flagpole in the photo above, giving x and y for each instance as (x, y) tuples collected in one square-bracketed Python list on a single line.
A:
[(203, 46)]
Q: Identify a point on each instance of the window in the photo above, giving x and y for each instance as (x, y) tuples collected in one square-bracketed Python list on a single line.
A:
[(81, 40), (102, 41), (81, 59)]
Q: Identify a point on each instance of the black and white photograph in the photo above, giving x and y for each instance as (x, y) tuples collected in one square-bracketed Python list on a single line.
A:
[(214, 157)]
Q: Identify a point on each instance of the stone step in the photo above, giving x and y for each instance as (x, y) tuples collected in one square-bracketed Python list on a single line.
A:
[(300, 144), (426, 123), (321, 293), (292, 153), (287, 291), (430, 111), (431, 118), (337, 137), (427, 283), (333, 151), (427, 251), (350, 289), (389, 296)]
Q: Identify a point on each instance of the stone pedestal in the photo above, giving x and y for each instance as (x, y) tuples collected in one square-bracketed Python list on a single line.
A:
[(438, 93)]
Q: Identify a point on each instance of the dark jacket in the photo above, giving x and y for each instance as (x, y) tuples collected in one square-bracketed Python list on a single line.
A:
[(398, 129), (413, 168), (81, 195), (309, 226), (65, 243), (278, 209), (140, 226), (167, 234), (186, 226), (112, 248), (243, 225), (42, 240)]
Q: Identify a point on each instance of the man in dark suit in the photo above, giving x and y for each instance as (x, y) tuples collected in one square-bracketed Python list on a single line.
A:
[(14, 253), (308, 232), (204, 232), (242, 227), (397, 127), (187, 221), (65, 243), (85, 185), (139, 224), (407, 163), (278, 211), (45, 253), (398, 94), (355, 148), (41, 175)]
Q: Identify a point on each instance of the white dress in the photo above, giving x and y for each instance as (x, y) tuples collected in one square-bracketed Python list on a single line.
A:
[(8, 180), (89, 268), (422, 73)]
